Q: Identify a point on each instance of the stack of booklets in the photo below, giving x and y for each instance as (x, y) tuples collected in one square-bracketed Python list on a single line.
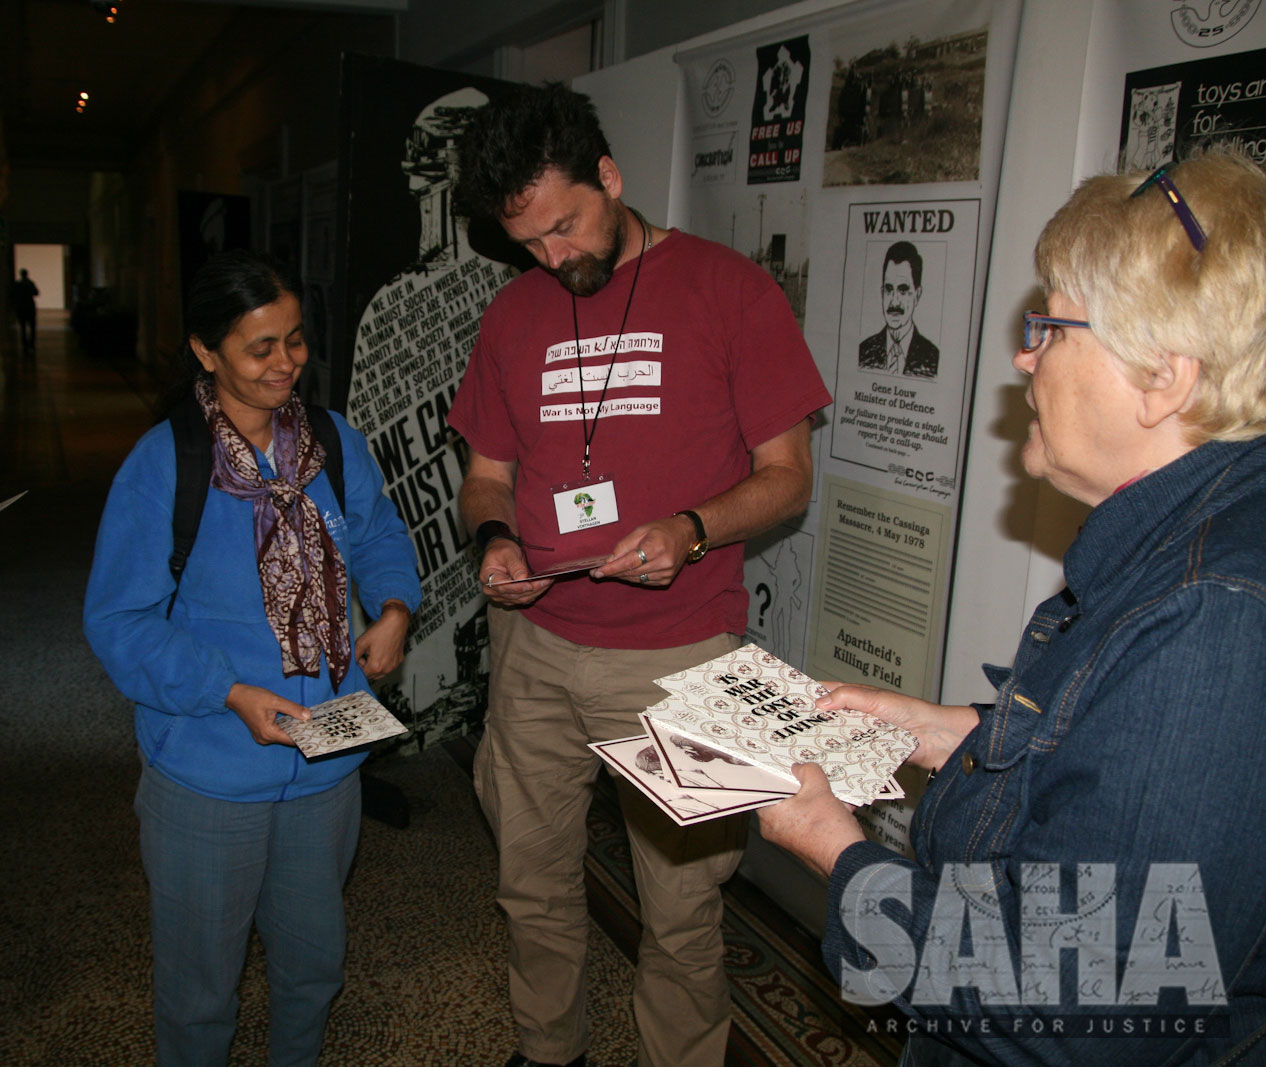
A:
[(726, 737)]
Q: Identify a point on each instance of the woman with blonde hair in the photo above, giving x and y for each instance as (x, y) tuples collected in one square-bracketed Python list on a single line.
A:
[(1108, 799)]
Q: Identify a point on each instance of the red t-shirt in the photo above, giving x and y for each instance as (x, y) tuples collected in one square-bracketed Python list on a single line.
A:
[(711, 364)]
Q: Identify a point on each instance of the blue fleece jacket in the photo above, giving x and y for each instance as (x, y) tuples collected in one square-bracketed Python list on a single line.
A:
[(179, 670)]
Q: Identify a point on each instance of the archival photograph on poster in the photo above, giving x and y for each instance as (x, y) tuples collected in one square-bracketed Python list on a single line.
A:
[(905, 325), (1168, 112), (908, 111), (878, 598)]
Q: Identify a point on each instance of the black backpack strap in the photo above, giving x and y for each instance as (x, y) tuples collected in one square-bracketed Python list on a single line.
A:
[(327, 433), (193, 478)]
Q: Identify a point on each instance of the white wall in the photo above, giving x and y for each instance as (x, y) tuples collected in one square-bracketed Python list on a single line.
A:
[(1014, 531)]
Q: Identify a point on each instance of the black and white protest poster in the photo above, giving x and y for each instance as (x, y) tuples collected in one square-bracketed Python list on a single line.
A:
[(416, 292), (777, 132), (1165, 80), (779, 563), (1169, 112), (901, 385), (880, 241), (879, 603), (900, 135)]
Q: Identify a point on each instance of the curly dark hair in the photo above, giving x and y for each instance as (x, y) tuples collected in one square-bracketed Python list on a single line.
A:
[(511, 141)]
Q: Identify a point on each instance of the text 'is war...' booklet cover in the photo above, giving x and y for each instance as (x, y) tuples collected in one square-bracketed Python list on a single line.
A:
[(349, 721), (729, 731)]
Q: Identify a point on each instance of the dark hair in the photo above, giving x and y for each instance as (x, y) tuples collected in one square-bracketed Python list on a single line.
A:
[(511, 141), (226, 287), (905, 252)]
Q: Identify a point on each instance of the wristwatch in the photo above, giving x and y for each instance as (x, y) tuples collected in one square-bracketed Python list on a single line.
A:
[(697, 550)]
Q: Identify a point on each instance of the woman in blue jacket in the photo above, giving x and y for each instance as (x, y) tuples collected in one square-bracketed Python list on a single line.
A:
[(237, 827), (1109, 799)]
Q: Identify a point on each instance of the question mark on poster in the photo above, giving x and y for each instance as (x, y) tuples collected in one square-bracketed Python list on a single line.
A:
[(765, 600)]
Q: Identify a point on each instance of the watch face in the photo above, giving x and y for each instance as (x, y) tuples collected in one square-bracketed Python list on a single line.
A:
[(697, 550)]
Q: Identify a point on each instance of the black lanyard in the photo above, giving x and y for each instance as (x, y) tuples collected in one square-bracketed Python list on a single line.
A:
[(588, 430)]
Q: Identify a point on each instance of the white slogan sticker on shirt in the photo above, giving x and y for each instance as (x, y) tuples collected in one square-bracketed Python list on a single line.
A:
[(628, 405), (639, 372)]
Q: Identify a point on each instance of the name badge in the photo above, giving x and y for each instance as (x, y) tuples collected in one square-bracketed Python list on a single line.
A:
[(584, 504)]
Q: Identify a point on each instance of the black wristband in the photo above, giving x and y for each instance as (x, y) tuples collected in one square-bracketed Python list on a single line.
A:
[(693, 516), (490, 531)]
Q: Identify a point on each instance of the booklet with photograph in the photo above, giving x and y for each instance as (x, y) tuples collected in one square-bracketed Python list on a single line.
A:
[(762, 711), (638, 760), (345, 722), (693, 765)]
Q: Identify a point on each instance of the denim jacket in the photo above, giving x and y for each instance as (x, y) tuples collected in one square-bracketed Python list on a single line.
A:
[(1131, 732)]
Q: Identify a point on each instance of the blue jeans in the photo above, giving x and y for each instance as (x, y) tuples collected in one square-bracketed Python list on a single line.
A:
[(214, 866)]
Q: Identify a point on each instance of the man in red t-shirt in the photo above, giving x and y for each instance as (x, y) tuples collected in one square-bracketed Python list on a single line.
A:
[(643, 401)]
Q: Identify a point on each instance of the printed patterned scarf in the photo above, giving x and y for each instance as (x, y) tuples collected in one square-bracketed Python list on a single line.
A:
[(301, 573)]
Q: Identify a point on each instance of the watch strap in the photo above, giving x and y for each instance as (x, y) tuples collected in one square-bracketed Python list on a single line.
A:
[(700, 533)]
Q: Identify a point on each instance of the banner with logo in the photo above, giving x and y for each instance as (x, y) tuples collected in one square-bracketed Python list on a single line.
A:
[(856, 158), (415, 292)]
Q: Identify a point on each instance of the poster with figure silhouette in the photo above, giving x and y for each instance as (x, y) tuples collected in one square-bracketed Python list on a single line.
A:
[(776, 574), (415, 290)]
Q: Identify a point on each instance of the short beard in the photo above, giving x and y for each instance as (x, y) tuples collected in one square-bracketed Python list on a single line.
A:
[(585, 275)]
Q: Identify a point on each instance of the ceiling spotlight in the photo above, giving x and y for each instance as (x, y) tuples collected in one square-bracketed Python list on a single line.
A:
[(83, 96)]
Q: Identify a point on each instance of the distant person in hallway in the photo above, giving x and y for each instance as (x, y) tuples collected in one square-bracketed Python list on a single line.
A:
[(237, 827), (24, 294), (899, 348), (1098, 829)]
